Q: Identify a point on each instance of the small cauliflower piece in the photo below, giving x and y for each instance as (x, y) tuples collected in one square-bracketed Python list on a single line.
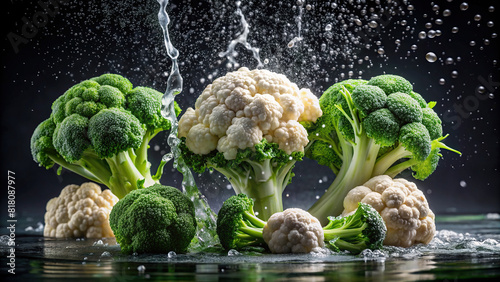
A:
[(293, 231), (80, 211), (243, 107), (403, 207)]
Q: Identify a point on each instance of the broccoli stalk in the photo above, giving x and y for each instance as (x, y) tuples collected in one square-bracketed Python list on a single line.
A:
[(369, 128), (237, 224), (365, 229), (101, 129), (261, 172)]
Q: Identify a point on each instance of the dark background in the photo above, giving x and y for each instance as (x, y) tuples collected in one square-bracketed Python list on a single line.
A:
[(83, 40)]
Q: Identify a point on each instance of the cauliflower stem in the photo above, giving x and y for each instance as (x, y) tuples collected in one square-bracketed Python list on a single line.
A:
[(262, 173)]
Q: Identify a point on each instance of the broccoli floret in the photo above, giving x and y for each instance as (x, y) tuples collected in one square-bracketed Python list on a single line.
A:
[(365, 229), (261, 172), (237, 224), (157, 219), (371, 128), (100, 129)]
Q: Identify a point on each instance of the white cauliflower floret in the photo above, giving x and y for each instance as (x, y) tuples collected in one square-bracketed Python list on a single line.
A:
[(80, 211), (272, 103), (293, 231), (404, 208)]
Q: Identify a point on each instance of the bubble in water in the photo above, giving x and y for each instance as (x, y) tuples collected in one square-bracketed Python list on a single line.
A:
[(414, 47), (446, 13), (463, 183), (454, 74), (486, 42), (464, 6), (449, 61), (454, 29), (381, 51), (431, 33), (422, 35), (328, 27), (477, 17), (373, 24), (491, 96), (490, 24), (491, 9), (472, 43), (428, 25), (439, 21), (442, 81), (404, 22), (431, 57)]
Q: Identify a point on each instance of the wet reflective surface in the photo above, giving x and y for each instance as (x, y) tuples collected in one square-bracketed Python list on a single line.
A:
[(464, 248)]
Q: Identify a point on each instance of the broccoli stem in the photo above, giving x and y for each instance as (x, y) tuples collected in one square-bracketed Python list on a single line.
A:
[(385, 161), (343, 232), (125, 175), (353, 173)]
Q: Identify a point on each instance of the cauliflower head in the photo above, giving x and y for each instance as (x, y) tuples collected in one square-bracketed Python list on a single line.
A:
[(293, 231), (243, 107), (403, 207), (80, 211)]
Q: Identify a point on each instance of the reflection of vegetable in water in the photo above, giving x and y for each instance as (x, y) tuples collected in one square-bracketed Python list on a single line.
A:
[(100, 129), (80, 211), (246, 126), (156, 219), (401, 204), (369, 128)]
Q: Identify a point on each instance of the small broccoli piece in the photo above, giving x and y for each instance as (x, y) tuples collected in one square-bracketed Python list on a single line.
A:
[(365, 229), (370, 128), (157, 219), (237, 225), (100, 129)]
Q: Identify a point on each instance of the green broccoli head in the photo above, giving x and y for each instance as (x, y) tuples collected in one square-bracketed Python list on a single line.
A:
[(42, 146), (365, 229), (237, 225), (100, 129), (157, 219), (391, 83), (369, 128)]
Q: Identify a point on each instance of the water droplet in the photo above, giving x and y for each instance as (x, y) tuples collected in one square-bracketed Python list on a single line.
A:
[(233, 252), (328, 27), (480, 89), (404, 22), (414, 47), (422, 35), (463, 183), (454, 29), (431, 57), (373, 24), (141, 268), (464, 6), (171, 254), (442, 81), (431, 33), (439, 21), (446, 13), (472, 43), (454, 74), (428, 25), (410, 7), (308, 7), (381, 51), (490, 24), (486, 42), (491, 96), (477, 17), (491, 9), (449, 61)]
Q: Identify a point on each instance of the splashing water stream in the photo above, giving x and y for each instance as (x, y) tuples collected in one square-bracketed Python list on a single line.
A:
[(242, 39), (205, 217)]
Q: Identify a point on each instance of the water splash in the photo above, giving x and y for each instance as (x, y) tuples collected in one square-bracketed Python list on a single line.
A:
[(242, 39), (298, 20), (205, 217)]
